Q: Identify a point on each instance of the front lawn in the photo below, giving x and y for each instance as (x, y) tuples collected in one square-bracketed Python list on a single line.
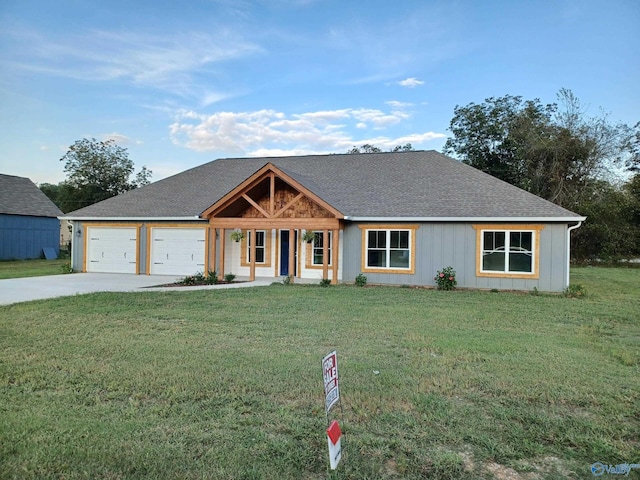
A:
[(227, 384), (32, 268)]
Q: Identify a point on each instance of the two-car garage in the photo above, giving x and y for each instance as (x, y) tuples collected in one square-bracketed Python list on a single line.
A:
[(167, 250)]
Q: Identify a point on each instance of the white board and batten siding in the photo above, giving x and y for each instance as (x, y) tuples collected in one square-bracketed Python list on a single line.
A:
[(177, 251), (112, 249)]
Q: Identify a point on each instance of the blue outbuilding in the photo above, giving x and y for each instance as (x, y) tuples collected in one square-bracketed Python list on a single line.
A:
[(28, 220)]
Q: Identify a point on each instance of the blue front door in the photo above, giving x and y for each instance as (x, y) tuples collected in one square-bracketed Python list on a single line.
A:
[(284, 253)]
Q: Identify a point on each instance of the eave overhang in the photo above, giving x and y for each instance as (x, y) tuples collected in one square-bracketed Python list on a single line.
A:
[(356, 218), (131, 219)]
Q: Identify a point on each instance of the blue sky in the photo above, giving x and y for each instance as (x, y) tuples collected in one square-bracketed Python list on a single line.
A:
[(181, 83)]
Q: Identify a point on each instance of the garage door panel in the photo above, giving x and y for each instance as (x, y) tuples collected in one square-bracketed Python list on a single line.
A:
[(177, 251), (112, 250)]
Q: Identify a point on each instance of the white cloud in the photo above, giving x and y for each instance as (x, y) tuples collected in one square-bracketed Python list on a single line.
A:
[(410, 82), (397, 104), (210, 98), (120, 139), (269, 132), (167, 62)]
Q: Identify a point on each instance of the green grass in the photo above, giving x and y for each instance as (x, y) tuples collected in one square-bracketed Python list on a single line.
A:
[(227, 384), (31, 268)]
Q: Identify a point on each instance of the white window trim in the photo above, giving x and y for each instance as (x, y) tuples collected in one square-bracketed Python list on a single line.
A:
[(313, 248), (411, 229), (247, 255), (535, 229), (507, 250)]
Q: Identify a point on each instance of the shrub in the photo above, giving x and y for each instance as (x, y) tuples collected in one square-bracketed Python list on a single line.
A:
[(199, 277), (325, 282), (229, 277), (288, 280), (446, 279), (361, 280), (66, 268), (575, 291), (211, 278), (188, 280)]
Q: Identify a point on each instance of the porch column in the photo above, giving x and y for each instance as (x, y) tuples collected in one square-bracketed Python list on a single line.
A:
[(325, 254), (212, 250), (335, 254), (252, 254), (221, 263), (292, 255)]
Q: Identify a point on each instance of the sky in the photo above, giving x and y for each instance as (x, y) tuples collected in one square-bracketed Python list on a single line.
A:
[(179, 84)]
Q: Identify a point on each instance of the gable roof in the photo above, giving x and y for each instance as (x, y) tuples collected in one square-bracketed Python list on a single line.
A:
[(407, 185), (20, 196)]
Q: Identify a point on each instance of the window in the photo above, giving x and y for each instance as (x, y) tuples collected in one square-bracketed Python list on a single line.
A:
[(260, 246), (389, 250), (314, 250), (263, 248), (508, 252), (318, 248)]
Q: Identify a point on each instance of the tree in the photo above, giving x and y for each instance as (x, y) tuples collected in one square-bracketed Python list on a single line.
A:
[(559, 153), (63, 195), (551, 150), (611, 231), (368, 148), (489, 136), (632, 146), (97, 170)]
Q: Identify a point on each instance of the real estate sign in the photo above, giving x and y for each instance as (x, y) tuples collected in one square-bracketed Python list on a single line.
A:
[(330, 372)]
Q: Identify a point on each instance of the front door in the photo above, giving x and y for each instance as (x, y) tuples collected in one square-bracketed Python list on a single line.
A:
[(284, 253)]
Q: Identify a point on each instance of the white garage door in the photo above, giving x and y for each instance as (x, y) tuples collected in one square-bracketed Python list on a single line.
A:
[(177, 251), (111, 249)]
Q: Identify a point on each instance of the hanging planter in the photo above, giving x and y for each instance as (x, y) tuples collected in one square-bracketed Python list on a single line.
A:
[(237, 235), (308, 236)]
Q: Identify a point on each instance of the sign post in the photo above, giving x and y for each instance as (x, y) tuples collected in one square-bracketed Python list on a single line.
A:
[(333, 439), (331, 397)]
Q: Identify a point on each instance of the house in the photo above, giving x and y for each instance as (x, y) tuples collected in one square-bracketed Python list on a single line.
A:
[(395, 217), (28, 220)]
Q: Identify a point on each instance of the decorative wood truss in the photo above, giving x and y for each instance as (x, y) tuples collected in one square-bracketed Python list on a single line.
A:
[(272, 200)]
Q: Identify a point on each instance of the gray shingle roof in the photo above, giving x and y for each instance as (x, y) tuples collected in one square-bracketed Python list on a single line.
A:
[(20, 196), (418, 184)]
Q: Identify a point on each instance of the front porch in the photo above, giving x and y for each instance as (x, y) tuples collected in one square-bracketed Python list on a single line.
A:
[(257, 229)]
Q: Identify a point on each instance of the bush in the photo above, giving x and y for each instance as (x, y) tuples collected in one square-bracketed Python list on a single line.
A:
[(288, 280), (188, 280), (575, 291), (446, 279), (211, 278), (199, 278), (229, 277), (361, 280), (325, 282)]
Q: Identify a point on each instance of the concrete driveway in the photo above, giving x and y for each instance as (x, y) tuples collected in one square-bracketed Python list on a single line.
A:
[(17, 290)]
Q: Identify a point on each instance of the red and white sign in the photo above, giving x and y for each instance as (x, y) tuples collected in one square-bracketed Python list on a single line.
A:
[(333, 439), (330, 372)]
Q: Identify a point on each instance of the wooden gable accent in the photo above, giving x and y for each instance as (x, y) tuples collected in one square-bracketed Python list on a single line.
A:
[(273, 196)]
